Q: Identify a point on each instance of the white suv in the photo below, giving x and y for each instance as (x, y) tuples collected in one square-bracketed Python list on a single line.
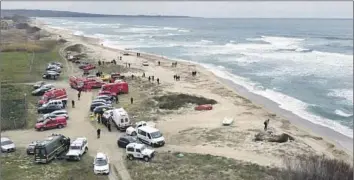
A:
[(101, 164), (77, 148), (139, 151)]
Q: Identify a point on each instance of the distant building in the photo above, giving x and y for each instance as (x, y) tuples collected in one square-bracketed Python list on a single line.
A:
[(6, 24)]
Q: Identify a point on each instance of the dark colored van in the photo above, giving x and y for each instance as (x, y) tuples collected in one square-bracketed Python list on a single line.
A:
[(51, 148)]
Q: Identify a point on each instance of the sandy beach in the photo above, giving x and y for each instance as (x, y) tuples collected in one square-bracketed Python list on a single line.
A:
[(202, 132)]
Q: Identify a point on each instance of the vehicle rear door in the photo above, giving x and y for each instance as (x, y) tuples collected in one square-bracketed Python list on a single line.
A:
[(52, 123)]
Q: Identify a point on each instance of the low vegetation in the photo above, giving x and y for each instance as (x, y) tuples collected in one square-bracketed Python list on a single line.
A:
[(75, 48), (19, 165), (176, 101), (197, 167), (316, 168), (17, 107)]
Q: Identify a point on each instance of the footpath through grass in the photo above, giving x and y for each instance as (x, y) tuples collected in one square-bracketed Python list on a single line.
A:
[(20, 166), (16, 69)]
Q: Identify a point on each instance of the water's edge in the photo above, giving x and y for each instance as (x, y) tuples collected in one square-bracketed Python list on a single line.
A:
[(337, 138)]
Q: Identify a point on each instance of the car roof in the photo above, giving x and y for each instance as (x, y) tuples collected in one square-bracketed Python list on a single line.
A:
[(148, 129), (78, 141), (135, 145), (59, 111), (5, 139), (128, 137), (101, 155)]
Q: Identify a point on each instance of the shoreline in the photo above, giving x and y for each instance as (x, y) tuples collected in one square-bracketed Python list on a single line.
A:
[(341, 141)]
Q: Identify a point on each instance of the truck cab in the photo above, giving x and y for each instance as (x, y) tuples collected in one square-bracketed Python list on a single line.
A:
[(55, 94), (116, 88), (77, 148)]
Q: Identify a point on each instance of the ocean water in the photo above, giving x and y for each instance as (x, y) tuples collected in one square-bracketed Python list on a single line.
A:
[(304, 65)]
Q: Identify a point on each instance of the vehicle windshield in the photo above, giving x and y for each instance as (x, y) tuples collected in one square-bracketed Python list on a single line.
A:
[(100, 162), (75, 147), (3, 143), (156, 134)]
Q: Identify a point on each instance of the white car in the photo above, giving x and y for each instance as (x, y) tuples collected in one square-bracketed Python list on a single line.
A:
[(101, 164), (7, 145), (62, 112), (131, 131), (145, 63), (139, 151), (77, 148), (150, 136)]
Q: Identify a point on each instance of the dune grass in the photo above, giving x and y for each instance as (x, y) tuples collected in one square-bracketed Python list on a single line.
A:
[(19, 165)]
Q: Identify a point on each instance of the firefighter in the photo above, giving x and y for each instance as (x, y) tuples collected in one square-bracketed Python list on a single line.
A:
[(73, 103), (109, 125)]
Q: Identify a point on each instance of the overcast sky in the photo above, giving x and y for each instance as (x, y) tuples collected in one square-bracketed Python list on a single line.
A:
[(305, 9)]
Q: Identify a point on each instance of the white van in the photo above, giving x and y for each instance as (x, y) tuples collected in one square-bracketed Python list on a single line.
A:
[(121, 118), (150, 136)]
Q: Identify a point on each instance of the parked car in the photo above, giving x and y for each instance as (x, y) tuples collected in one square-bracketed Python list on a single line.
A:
[(102, 100), (102, 108), (50, 75), (96, 104), (203, 107), (89, 67), (139, 151), (56, 64), (61, 112), (54, 68), (145, 63), (38, 84), (30, 147), (123, 141), (58, 122), (83, 64), (77, 148), (106, 97), (7, 145), (41, 90), (49, 108), (101, 164)]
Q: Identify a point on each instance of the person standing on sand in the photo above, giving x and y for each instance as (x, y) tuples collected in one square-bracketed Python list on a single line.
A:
[(153, 78), (109, 125), (78, 95), (129, 65), (116, 99), (149, 78), (266, 123), (73, 103), (143, 74), (159, 63), (98, 133), (158, 81), (131, 100)]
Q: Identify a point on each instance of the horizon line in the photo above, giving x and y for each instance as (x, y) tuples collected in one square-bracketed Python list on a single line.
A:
[(184, 16)]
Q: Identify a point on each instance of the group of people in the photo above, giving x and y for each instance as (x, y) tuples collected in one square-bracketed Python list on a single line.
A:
[(176, 77), (194, 73), (138, 54), (174, 64)]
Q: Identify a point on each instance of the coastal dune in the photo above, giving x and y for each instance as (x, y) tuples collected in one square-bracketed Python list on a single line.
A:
[(202, 132)]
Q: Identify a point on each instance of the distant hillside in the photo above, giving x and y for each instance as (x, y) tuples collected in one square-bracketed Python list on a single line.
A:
[(50, 13)]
